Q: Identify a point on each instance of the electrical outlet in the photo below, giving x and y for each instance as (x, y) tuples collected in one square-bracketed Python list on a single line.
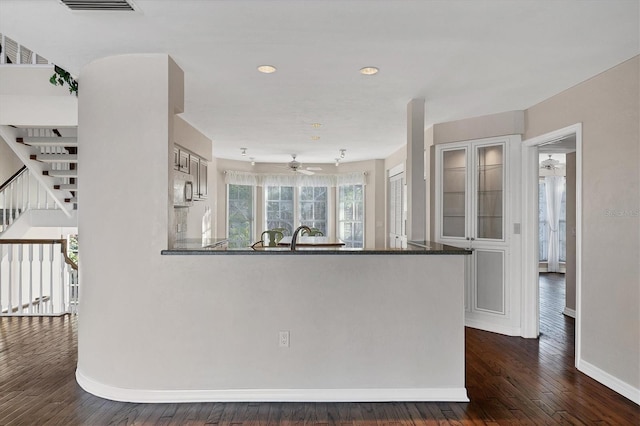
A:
[(283, 339)]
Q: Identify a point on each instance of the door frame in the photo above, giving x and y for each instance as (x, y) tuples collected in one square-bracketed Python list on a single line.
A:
[(530, 286)]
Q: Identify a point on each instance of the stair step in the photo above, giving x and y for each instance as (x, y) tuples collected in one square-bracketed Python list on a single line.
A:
[(67, 186), (61, 173), (56, 158), (49, 141)]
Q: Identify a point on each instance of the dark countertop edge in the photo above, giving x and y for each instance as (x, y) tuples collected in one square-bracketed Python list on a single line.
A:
[(338, 252)]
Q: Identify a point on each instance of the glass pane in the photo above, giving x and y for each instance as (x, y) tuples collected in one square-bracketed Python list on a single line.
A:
[(306, 193), (286, 192), (453, 192), (490, 187), (351, 215), (240, 219)]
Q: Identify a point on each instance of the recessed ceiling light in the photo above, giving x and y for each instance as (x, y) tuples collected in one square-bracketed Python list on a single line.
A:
[(316, 125), (315, 138), (369, 70), (267, 69)]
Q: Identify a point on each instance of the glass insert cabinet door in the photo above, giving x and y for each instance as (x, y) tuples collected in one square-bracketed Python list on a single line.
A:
[(489, 168), (471, 187), (454, 193)]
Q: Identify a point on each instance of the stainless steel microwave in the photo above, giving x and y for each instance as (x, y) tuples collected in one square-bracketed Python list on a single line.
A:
[(182, 190)]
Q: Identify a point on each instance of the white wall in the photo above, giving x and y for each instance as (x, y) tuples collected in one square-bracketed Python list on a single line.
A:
[(28, 99), (607, 105)]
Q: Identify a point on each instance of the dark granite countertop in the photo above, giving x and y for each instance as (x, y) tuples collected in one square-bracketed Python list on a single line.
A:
[(193, 247)]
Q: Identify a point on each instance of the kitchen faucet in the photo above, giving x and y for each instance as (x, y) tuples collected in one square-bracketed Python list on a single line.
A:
[(295, 235)]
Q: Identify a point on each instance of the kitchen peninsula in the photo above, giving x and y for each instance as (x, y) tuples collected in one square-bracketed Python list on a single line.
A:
[(216, 324), (361, 324)]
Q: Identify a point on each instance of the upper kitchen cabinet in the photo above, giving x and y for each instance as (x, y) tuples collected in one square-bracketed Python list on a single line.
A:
[(183, 161), (194, 153), (477, 207), (203, 176), (199, 169)]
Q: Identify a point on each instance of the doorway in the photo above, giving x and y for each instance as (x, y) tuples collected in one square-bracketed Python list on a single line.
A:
[(566, 141)]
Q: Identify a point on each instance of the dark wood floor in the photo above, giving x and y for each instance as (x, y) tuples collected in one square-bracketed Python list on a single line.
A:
[(510, 381)]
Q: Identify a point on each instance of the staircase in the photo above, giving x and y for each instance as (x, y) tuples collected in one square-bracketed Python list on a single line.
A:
[(52, 159)]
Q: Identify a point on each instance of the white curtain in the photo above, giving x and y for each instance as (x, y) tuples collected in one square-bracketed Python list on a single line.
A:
[(293, 179), (240, 178), (554, 188)]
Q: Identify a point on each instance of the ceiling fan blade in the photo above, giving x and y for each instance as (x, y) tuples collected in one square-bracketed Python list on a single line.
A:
[(314, 168), (306, 172)]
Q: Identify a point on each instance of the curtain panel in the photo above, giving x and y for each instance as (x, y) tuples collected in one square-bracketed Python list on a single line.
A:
[(554, 187)]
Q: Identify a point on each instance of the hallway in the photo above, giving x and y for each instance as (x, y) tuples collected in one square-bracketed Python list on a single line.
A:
[(510, 380)]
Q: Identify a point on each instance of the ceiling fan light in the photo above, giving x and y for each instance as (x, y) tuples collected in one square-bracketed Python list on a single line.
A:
[(549, 163)]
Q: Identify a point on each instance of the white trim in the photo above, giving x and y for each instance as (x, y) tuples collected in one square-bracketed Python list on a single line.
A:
[(530, 308), (617, 385), (492, 327), (569, 312), (269, 395), (396, 170)]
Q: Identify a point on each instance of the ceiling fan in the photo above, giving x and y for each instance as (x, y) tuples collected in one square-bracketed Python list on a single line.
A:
[(550, 164), (296, 167)]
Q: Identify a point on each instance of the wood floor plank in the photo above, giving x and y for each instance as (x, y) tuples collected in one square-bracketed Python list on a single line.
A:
[(510, 381)]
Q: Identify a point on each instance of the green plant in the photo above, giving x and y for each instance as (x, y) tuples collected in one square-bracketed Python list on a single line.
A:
[(62, 76)]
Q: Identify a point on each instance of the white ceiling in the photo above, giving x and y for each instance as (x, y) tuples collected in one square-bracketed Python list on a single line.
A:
[(465, 57)]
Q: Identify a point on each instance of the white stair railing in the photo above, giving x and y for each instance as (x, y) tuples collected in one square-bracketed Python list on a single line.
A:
[(20, 194), (37, 278), (14, 53)]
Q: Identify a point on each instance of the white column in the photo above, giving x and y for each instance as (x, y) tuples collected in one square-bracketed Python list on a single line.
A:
[(415, 175)]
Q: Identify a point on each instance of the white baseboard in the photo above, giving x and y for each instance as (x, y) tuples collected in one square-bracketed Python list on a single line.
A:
[(270, 395), (493, 328), (610, 381), (569, 312)]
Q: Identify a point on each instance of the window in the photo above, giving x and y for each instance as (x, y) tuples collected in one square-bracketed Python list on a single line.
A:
[(287, 207), (240, 215), (543, 228), (313, 207), (351, 215), (280, 214), (72, 247)]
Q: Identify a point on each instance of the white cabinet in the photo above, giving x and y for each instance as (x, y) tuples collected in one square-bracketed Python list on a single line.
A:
[(176, 158), (183, 160), (198, 168), (477, 207), (195, 166), (203, 176)]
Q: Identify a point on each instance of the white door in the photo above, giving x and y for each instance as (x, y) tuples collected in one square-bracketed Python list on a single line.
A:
[(475, 209), (397, 211)]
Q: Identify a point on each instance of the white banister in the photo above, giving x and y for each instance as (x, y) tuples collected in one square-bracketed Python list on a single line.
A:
[(18, 294), (13, 53), (20, 194)]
